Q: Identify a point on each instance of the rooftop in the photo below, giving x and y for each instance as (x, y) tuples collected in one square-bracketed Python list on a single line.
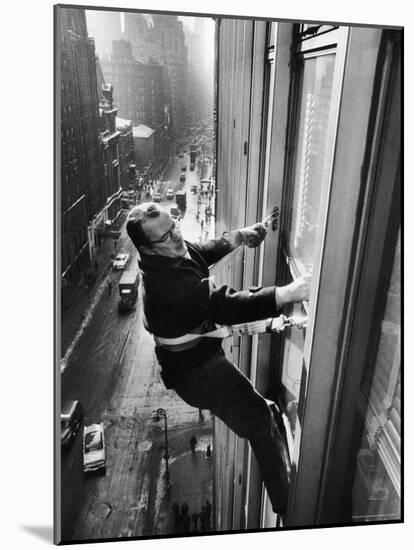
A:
[(142, 131), (122, 122)]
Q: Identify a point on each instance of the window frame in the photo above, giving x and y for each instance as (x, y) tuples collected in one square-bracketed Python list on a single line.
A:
[(330, 42), (381, 215), (333, 262)]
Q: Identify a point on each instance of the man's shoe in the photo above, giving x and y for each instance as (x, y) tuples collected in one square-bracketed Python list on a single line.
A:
[(279, 432)]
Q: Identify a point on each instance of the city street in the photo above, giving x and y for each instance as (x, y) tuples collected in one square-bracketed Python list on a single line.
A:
[(111, 368)]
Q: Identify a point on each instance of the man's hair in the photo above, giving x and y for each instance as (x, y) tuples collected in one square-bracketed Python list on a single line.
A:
[(137, 218)]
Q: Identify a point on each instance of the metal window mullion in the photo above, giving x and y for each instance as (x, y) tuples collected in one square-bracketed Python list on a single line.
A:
[(255, 338), (258, 44)]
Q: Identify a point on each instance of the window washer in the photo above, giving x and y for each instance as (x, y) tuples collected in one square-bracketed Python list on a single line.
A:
[(180, 300)]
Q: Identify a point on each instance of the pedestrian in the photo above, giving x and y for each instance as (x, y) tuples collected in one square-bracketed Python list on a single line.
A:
[(96, 264), (109, 288), (176, 512), (208, 451), (184, 508), (176, 275), (195, 517), (203, 520), (193, 443), (186, 522), (208, 513)]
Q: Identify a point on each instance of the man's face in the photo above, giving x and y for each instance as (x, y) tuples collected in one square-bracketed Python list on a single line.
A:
[(164, 236)]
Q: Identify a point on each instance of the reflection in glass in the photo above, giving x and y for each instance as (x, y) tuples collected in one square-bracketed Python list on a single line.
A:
[(376, 486), (313, 118)]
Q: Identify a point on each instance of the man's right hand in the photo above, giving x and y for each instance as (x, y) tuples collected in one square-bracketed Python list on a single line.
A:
[(253, 235), (297, 291)]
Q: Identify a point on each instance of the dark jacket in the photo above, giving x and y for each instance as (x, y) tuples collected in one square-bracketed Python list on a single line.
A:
[(179, 296)]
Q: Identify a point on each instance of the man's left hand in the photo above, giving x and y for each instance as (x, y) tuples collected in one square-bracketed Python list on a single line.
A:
[(254, 235)]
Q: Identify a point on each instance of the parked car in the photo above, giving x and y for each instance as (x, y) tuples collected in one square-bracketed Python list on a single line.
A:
[(183, 168), (71, 417), (193, 188), (181, 155), (94, 448), (182, 177), (156, 197), (120, 260), (170, 193)]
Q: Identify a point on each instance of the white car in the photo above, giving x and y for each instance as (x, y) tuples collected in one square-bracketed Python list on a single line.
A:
[(94, 448), (120, 260), (170, 193)]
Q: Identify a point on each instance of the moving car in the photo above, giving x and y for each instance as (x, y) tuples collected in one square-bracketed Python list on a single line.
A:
[(175, 213), (170, 194), (182, 177), (71, 417), (120, 260), (128, 289), (181, 199), (94, 448), (181, 155), (156, 197)]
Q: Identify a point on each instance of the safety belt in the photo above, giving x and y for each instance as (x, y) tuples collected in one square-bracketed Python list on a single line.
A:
[(273, 324)]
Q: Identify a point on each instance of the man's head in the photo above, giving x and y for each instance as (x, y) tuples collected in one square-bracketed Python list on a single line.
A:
[(153, 231)]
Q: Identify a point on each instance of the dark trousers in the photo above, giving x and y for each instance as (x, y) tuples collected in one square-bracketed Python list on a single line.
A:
[(219, 386)]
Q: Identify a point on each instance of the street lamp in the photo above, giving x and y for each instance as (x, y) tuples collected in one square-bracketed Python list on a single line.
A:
[(162, 413)]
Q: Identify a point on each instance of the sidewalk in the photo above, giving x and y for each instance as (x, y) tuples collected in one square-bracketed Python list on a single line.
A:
[(191, 481), (79, 298)]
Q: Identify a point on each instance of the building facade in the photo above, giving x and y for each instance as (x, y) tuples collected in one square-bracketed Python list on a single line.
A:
[(308, 129), (81, 167), (110, 140), (126, 153), (161, 38), (138, 86)]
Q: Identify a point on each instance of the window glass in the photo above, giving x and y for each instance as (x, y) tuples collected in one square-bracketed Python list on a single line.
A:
[(312, 132), (376, 486), (292, 366)]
